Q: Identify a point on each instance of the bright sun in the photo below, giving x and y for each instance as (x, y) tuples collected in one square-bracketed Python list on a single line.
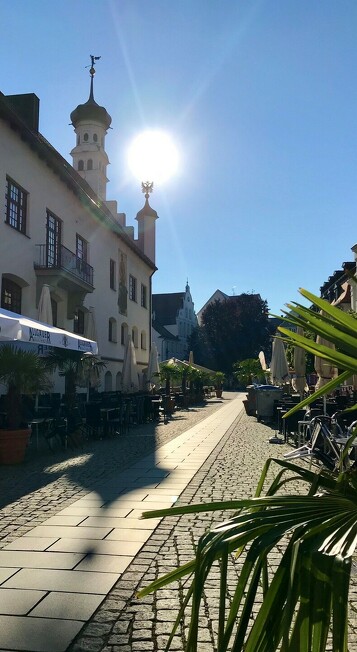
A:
[(152, 156)]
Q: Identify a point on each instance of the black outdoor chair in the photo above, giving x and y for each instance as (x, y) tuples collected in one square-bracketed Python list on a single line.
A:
[(94, 423)]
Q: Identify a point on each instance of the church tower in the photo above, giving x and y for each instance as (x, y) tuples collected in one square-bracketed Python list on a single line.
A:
[(91, 123)]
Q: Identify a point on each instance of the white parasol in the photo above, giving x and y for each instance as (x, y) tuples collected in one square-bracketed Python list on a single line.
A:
[(44, 306), (130, 376)]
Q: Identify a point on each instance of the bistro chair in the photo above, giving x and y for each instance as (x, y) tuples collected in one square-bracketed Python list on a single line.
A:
[(94, 423)]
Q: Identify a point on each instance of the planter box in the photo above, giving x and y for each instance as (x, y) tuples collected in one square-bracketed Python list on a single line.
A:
[(13, 444)]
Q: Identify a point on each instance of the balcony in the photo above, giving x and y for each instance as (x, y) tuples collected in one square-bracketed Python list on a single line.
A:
[(66, 271)]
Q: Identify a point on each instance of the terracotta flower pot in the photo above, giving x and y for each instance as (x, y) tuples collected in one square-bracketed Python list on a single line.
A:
[(13, 445)]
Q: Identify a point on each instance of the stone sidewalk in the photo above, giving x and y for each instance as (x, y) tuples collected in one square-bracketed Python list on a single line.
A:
[(227, 452), (54, 576)]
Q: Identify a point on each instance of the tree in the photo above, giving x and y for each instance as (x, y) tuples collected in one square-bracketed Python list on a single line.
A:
[(74, 366), (200, 347), (236, 329)]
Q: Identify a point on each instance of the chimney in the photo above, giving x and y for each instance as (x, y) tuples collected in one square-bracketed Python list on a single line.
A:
[(27, 107)]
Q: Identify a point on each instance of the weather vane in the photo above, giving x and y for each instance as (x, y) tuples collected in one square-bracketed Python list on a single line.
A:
[(147, 187), (92, 69)]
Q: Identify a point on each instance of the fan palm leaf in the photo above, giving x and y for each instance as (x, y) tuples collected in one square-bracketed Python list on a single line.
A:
[(303, 602)]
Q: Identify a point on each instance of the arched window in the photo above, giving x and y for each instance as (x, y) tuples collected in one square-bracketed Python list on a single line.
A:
[(90, 164), (112, 330), (124, 334), (143, 339), (78, 322), (118, 379), (95, 138), (108, 381), (85, 137), (135, 337), (78, 139), (80, 165)]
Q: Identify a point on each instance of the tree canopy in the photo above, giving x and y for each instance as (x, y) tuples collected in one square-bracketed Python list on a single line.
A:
[(232, 330)]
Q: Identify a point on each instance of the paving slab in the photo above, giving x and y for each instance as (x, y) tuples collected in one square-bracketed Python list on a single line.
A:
[(30, 543), (104, 563), (18, 602), (100, 547), (38, 559), (61, 580), (71, 606), (57, 531), (37, 634)]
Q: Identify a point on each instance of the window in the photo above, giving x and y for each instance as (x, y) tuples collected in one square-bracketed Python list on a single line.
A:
[(53, 240), (124, 334), (112, 274), (143, 340), (95, 138), (10, 295), (85, 138), (80, 165), (112, 330), (81, 248), (54, 312), (132, 287), (144, 293), (15, 206), (78, 323), (108, 381), (90, 164), (78, 139), (134, 336)]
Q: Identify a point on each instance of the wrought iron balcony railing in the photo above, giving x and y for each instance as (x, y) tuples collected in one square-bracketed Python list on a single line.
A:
[(63, 259)]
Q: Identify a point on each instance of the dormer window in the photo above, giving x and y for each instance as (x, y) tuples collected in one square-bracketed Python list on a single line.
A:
[(85, 137)]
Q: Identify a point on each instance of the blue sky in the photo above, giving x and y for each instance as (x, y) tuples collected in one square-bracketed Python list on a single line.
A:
[(260, 97)]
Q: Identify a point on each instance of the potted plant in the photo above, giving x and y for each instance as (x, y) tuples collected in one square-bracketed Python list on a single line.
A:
[(218, 380), (246, 370), (22, 372), (169, 373), (78, 370)]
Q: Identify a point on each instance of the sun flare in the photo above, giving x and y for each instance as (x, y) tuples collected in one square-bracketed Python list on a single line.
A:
[(153, 156)]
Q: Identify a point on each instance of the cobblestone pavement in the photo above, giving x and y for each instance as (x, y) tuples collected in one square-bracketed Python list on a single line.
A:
[(124, 623)]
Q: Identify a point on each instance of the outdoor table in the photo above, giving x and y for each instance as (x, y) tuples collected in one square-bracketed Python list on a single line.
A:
[(105, 412), (36, 422)]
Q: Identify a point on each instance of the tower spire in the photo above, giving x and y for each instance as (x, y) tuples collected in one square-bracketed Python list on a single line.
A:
[(91, 123), (92, 73)]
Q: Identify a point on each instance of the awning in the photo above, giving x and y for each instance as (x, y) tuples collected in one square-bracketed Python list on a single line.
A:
[(16, 327)]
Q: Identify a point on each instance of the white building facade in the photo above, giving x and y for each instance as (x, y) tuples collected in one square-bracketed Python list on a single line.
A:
[(174, 319), (57, 228)]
